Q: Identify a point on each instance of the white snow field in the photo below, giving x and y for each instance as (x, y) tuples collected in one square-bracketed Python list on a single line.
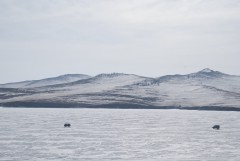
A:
[(37, 134)]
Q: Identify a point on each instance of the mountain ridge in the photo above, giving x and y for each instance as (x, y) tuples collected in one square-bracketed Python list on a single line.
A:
[(205, 89), (34, 83), (205, 71)]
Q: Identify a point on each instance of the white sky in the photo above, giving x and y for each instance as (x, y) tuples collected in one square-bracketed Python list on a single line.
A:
[(45, 38)]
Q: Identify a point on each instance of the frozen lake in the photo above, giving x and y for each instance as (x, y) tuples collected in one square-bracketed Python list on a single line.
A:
[(118, 134)]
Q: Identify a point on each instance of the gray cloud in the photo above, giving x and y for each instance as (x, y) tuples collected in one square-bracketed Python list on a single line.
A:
[(42, 38)]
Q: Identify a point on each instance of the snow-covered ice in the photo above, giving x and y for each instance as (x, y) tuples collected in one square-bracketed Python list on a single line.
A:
[(116, 134)]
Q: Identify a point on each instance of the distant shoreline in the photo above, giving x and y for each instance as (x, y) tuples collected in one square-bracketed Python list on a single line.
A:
[(112, 106)]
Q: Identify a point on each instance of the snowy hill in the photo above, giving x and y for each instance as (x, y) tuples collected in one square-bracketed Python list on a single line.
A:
[(46, 82), (206, 89)]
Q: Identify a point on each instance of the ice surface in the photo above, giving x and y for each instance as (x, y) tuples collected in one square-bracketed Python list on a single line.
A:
[(126, 135)]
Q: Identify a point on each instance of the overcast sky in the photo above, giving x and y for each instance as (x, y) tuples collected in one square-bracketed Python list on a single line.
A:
[(45, 38)]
